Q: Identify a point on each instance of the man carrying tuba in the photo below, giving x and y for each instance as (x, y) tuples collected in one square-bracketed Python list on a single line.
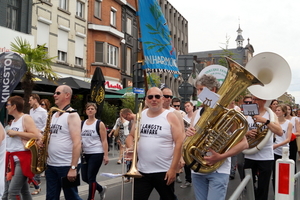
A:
[(261, 162), (211, 186)]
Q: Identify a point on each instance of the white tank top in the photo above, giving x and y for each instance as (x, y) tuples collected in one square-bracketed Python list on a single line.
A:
[(60, 144), (293, 121), (15, 143), (91, 142), (266, 153), (155, 146), (2, 162), (279, 139), (225, 167)]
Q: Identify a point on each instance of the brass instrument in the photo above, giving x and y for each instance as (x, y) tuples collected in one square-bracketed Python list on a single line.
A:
[(212, 130), (186, 123), (39, 153), (133, 171)]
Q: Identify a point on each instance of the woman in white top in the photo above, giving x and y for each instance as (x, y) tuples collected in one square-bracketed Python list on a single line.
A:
[(295, 130), (95, 150), (281, 141)]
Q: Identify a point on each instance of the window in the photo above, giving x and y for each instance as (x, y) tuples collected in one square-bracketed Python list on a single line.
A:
[(63, 4), (128, 61), (113, 16), (97, 11), (99, 52), (80, 9), (43, 32), (62, 56), (129, 26), (12, 14), (78, 61), (112, 55)]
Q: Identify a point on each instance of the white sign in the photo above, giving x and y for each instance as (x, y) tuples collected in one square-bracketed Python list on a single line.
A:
[(208, 97), (217, 71)]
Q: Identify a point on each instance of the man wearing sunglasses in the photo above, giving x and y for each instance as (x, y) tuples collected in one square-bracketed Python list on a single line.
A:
[(176, 105), (159, 148), (64, 147)]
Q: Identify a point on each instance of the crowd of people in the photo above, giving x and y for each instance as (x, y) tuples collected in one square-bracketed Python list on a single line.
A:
[(76, 145)]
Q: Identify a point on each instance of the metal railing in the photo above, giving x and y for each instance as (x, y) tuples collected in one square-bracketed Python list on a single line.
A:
[(246, 184)]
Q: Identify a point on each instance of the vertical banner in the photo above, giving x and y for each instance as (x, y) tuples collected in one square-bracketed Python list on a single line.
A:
[(12, 69), (98, 90), (159, 52)]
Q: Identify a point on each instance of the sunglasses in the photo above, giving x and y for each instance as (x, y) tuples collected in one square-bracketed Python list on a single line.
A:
[(57, 93), (157, 96), (176, 105), (43, 104), (168, 96), (247, 102)]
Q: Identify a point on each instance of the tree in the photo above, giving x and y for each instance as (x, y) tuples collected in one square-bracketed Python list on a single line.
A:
[(109, 113), (37, 61)]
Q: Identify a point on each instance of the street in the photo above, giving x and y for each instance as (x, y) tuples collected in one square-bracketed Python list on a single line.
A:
[(114, 185)]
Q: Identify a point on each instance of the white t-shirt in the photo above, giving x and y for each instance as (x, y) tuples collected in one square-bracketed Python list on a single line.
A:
[(155, 146), (266, 153), (225, 167), (39, 116), (279, 139), (91, 142), (60, 144)]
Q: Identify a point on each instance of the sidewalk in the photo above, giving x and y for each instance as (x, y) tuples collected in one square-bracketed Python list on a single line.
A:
[(111, 167)]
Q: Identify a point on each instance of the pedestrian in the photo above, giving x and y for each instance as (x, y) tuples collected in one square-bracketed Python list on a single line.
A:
[(273, 105), (212, 186), (281, 141), (121, 127), (22, 129), (159, 148), (64, 148), (39, 116), (95, 150), (261, 163), (2, 159), (45, 103)]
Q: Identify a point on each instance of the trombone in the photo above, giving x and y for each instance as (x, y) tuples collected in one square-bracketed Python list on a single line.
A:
[(133, 171)]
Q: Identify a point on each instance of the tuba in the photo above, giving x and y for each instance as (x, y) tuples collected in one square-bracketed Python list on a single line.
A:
[(212, 130), (276, 75), (39, 153)]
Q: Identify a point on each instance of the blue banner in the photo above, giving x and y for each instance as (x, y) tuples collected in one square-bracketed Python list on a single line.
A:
[(159, 52)]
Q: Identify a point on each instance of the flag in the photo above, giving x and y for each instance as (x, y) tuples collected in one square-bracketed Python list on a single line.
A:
[(98, 90), (12, 69), (159, 52)]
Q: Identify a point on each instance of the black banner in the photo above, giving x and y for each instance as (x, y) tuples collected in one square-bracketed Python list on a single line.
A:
[(98, 90), (12, 69)]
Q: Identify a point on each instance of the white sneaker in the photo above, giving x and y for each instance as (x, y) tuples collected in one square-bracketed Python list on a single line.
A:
[(102, 194), (178, 180), (186, 184)]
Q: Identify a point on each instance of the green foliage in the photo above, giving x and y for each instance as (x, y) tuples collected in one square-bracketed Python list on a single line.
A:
[(109, 113), (153, 80), (128, 102)]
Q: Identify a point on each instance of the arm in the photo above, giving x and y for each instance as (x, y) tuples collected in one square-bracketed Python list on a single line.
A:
[(30, 130), (215, 157), (2, 133), (114, 128), (102, 131), (273, 126), (297, 126), (176, 130), (288, 137), (74, 123)]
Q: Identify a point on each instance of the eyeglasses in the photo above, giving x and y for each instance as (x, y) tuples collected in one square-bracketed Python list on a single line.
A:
[(8, 104), (157, 96), (176, 105), (247, 102), (57, 93), (168, 96)]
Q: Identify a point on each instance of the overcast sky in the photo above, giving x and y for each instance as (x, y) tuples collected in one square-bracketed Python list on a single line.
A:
[(271, 26)]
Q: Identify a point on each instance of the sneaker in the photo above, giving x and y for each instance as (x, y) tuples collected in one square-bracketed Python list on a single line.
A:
[(186, 184), (178, 180), (102, 193), (119, 162)]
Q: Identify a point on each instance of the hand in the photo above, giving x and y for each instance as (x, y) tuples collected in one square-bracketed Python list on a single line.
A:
[(129, 153), (105, 160), (190, 131), (12, 133), (72, 175), (252, 133), (170, 176), (258, 118), (213, 157)]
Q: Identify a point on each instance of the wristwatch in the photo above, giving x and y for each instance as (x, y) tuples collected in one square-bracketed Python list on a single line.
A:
[(267, 122), (73, 167)]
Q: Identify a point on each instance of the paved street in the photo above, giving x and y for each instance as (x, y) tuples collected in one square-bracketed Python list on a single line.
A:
[(114, 185)]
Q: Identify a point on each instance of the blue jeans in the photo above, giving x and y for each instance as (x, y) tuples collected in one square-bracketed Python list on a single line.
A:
[(89, 171), (212, 186), (53, 183)]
